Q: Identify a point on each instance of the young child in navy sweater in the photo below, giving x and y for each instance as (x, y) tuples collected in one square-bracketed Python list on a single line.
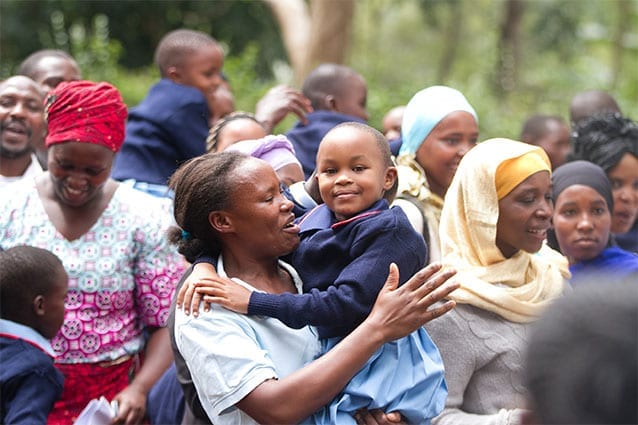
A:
[(170, 125), (346, 247), (33, 285)]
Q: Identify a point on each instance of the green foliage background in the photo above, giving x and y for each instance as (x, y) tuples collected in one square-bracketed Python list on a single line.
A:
[(399, 46)]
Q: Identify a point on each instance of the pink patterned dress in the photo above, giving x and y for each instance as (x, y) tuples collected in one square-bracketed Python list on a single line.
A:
[(122, 272)]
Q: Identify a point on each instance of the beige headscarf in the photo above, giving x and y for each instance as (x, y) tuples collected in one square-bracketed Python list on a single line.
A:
[(516, 288)]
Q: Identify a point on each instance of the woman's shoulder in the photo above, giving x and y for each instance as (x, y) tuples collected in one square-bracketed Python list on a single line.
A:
[(141, 209)]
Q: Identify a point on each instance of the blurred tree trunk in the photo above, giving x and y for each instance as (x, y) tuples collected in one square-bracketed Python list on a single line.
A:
[(453, 28), (312, 36), (509, 48), (624, 21)]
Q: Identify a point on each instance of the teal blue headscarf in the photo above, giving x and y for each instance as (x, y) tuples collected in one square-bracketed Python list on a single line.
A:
[(425, 110)]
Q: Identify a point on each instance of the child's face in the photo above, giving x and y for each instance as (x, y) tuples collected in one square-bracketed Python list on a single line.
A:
[(351, 173), (445, 146), (582, 223), (53, 316), (201, 70)]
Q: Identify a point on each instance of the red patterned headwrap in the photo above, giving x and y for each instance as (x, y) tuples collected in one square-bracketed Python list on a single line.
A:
[(88, 112)]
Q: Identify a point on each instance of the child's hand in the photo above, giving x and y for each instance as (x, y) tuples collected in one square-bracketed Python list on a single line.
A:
[(187, 297), (224, 292)]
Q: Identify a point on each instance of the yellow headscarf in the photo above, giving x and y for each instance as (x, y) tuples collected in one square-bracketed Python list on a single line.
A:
[(516, 288)]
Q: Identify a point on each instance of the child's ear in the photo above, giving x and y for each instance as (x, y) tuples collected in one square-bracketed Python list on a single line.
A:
[(173, 73), (330, 103), (39, 307), (220, 222), (391, 176)]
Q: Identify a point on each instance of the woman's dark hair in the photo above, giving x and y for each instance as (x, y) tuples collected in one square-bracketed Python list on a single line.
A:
[(201, 185), (604, 140)]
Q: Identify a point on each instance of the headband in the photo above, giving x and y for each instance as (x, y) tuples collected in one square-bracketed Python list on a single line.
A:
[(425, 110), (86, 112)]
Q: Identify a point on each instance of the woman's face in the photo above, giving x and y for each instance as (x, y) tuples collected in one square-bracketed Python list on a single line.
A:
[(441, 152), (262, 217), (624, 185), (524, 215), (582, 222), (79, 171)]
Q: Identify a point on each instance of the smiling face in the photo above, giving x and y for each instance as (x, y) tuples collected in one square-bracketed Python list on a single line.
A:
[(624, 184), (582, 223), (261, 216), (22, 126), (201, 70), (524, 215), (79, 171), (351, 172), (445, 146)]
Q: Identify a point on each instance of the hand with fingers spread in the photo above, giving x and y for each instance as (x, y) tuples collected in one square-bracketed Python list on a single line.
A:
[(408, 306)]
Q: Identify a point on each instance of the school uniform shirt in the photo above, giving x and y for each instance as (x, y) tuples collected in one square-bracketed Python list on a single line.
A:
[(230, 354), (30, 382), (167, 128), (306, 138)]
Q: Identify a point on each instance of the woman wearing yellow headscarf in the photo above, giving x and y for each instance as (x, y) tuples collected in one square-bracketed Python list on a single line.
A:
[(493, 226)]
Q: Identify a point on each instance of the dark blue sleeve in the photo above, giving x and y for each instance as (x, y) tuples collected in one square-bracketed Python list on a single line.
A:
[(349, 299), (33, 398), (188, 129)]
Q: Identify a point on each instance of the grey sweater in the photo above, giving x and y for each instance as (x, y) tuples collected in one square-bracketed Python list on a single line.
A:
[(483, 355)]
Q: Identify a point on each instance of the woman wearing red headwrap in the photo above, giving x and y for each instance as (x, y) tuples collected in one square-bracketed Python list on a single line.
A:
[(122, 272)]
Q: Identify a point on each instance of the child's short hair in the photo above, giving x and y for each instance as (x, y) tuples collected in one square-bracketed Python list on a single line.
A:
[(25, 272), (175, 46), (379, 138), (326, 79)]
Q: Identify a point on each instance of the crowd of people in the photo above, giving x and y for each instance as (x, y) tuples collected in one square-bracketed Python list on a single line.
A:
[(191, 267)]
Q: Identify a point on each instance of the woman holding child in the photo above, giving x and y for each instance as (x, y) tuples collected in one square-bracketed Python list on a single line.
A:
[(267, 373)]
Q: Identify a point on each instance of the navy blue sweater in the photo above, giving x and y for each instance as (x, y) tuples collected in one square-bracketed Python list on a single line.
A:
[(30, 383), (343, 266), (167, 128)]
